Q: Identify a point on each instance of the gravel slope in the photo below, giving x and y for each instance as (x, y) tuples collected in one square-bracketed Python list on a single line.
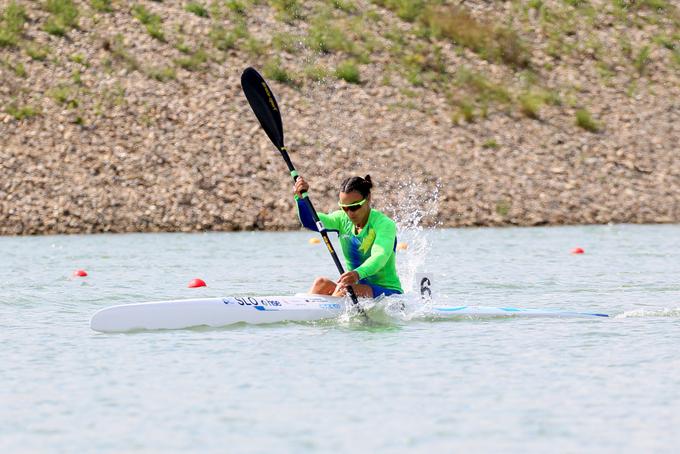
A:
[(185, 154)]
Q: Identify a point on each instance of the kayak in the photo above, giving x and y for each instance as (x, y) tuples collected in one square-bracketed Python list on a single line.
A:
[(216, 312)]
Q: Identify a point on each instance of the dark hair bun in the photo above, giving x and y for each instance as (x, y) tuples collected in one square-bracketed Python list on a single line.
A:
[(361, 185)]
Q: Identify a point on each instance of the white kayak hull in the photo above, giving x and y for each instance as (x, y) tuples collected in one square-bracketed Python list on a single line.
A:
[(215, 312)]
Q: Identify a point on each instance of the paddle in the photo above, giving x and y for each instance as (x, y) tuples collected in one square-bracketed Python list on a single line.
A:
[(263, 103)]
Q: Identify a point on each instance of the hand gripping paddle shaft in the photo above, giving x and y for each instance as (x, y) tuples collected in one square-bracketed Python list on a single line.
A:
[(263, 103)]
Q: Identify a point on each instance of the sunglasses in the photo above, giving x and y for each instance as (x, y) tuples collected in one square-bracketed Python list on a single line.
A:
[(352, 206)]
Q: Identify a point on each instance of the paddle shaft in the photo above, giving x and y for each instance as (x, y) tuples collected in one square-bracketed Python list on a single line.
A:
[(266, 109), (319, 225)]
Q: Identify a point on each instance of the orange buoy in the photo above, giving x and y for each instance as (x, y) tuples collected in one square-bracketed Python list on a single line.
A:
[(195, 283), (578, 250), (80, 273), (402, 246), (314, 240)]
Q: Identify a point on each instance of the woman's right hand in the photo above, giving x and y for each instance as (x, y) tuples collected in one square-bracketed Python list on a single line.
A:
[(301, 186)]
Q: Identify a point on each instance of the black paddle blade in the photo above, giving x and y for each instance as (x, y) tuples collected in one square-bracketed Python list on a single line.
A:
[(263, 103)]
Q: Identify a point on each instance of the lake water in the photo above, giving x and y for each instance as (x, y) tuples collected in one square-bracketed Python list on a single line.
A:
[(522, 385)]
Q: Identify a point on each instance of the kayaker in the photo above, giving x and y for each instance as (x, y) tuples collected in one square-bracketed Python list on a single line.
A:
[(367, 236)]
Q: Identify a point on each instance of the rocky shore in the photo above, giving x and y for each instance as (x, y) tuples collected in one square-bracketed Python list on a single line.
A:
[(111, 145)]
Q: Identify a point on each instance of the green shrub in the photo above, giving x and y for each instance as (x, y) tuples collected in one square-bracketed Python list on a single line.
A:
[(348, 71), (530, 104), (414, 77), (183, 47), (424, 64), (80, 59), (224, 39), (535, 4), (11, 24), (373, 16), (194, 62), (143, 15), (585, 121), (53, 28), (467, 109), (36, 52), (120, 53), (316, 72), (408, 92), (642, 60), (237, 6), (64, 17), (552, 98), (503, 207), (274, 70), (197, 9), (626, 46), (64, 95), (14, 17), (658, 5), (21, 113), (151, 21), (287, 42), (103, 6), (19, 69), (576, 3), (408, 10), (288, 10), (254, 46), (492, 43), (155, 31), (508, 48), (347, 6), (7, 39), (326, 38), (162, 74), (491, 143), (484, 89), (669, 42), (76, 77)]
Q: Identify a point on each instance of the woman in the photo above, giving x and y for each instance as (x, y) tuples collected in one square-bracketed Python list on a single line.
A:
[(367, 236)]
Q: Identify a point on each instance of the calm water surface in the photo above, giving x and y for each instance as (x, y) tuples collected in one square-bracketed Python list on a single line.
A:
[(534, 385)]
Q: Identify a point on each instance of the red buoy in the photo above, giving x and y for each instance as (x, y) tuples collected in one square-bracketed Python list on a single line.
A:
[(577, 250), (195, 283), (80, 273)]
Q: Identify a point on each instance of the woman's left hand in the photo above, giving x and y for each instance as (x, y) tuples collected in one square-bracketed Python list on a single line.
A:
[(348, 278)]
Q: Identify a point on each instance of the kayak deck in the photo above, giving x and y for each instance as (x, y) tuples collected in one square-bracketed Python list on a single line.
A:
[(216, 312)]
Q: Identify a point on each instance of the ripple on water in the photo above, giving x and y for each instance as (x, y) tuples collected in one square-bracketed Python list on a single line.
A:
[(400, 382)]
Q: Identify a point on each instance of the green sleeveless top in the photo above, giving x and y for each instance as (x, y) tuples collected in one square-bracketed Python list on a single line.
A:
[(371, 252)]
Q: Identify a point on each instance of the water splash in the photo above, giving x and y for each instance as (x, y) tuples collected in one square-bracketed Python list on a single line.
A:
[(416, 203), (340, 132), (673, 312)]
